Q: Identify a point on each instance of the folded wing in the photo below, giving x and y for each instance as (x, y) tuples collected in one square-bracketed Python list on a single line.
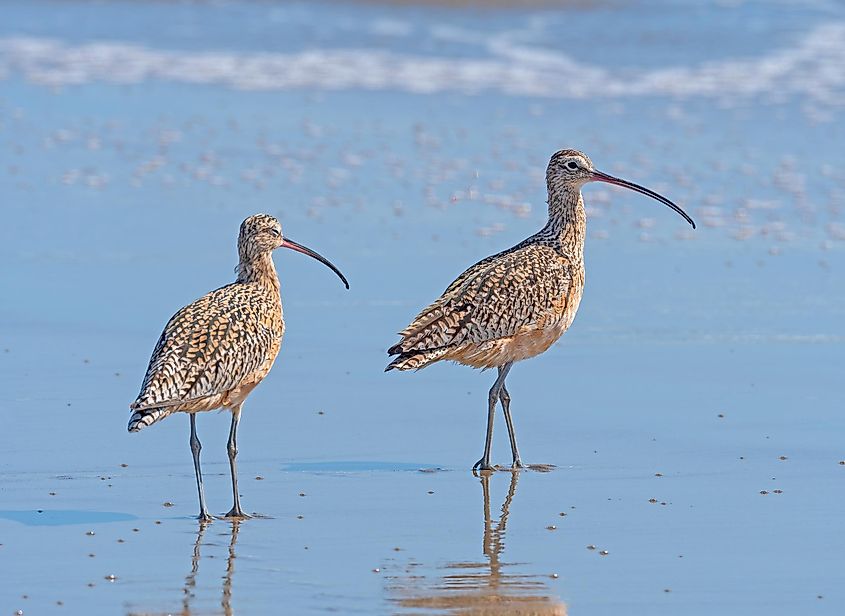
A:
[(505, 295), (208, 347)]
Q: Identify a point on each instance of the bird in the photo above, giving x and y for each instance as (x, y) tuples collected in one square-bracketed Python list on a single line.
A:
[(515, 304), (216, 350)]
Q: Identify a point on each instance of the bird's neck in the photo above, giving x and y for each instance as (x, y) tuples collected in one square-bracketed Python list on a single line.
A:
[(258, 269), (567, 224)]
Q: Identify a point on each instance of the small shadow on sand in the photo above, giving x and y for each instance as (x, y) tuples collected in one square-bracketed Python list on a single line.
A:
[(342, 466), (61, 517)]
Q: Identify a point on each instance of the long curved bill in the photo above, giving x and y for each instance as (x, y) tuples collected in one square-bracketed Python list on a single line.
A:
[(598, 176), (288, 243)]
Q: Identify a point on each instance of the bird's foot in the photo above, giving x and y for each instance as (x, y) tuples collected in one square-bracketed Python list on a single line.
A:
[(518, 465), (483, 465), (204, 517), (235, 513)]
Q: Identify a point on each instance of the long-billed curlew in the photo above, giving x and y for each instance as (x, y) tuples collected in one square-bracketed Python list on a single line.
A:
[(515, 304), (213, 352)]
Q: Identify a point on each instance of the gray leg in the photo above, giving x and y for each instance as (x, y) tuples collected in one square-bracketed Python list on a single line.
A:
[(505, 399), (232, 448), (196, 447), (484, 463)]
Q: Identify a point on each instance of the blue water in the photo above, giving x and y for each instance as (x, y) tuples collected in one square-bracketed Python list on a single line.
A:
[(703, 356), (41, 517)]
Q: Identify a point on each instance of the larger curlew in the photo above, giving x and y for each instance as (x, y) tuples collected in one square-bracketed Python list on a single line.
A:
[(213, 352), (515, 304)]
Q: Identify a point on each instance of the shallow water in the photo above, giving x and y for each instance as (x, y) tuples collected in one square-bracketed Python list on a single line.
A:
[(691, 413)]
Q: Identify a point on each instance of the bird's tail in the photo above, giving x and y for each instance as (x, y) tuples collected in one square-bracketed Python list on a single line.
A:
[(416, 360), (146, 417)]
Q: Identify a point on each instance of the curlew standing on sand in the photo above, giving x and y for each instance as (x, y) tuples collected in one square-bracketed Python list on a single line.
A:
[(515, 304), (213, 352)]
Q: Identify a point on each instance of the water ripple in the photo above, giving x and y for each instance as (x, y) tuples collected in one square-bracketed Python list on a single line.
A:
[(810, 68)]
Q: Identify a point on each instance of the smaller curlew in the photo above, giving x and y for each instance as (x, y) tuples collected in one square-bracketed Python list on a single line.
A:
[(213, 352), (515, 304)]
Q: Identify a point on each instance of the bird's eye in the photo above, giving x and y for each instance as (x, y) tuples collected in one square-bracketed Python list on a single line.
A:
[(275, 232), (572, 165)]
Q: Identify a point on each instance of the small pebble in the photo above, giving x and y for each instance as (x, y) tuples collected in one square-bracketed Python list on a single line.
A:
[(591, 547), (721, 416), (167, 504), (431, 491), (111, 577), (562, 513), (259, 478), (552, 527), (555, 576), (299, 517), (778, 491), (376, 570), (782, 458), (604, 552), (302, 493), (667, 590), (764, 491), (90, 533), (123, 465), (652, 500)]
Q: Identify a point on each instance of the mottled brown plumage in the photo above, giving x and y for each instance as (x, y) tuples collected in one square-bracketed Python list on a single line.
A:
[(515, 304), (213, 352)]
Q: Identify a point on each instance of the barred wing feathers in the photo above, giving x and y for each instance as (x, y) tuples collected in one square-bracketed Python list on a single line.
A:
[(504, 295), (208, 347)]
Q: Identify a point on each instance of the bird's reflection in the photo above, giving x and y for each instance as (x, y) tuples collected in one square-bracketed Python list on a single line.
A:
[(191, 579), (479, 588)]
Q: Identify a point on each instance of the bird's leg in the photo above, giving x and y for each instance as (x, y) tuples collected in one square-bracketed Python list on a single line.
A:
[(484, 463), (232, 448), (196, 447), (505, 399)]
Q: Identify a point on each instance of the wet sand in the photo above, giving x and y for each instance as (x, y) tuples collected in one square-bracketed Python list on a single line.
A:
[(692, 414)]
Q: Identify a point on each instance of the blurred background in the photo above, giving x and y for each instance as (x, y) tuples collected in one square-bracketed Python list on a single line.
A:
[(693, 411)]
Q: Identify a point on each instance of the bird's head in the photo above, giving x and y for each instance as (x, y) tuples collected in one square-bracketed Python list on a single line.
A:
[(262, 233), (571, 169)]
